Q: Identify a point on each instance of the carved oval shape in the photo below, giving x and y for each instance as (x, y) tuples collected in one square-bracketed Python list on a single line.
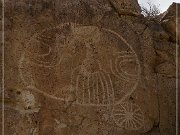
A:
[(53, 58)]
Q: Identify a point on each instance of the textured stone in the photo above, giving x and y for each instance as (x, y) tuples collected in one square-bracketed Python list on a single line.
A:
[(87, 67), (126, 7), (169, 20)]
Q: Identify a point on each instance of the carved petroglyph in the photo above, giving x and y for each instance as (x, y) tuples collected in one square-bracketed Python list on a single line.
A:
[(124, 59), (41, 59), (94, 88), (43, 49), (128, 116), (125, 66), (78, 58), (86, 65)]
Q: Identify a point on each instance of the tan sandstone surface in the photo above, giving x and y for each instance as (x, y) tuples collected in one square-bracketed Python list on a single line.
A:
[(88, 67)]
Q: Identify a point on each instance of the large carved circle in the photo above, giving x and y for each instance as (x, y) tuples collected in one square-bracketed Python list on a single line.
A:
[(88, 64)]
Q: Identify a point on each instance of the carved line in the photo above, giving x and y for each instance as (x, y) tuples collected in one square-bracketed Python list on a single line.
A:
[(103, 89), (106, 86), (124, 53), (77, 82), (48, 66), (123, 74), (111, 85), (97, 89), (89, 93), (93, 84), (127, 74), (45, 55), (127, 95)]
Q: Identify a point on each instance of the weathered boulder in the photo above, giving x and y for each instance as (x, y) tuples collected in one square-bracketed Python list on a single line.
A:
[(128, 7), (169, 19)]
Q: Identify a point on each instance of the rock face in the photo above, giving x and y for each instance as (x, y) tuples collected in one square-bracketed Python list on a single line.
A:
[(169, 19), (126, 7), (95, 67)]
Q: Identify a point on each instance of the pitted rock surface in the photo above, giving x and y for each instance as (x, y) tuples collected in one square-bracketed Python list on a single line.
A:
[(95, 67)]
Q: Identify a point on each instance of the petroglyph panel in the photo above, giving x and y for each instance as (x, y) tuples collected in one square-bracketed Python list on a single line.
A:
[(88, 64), (86, 67)]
